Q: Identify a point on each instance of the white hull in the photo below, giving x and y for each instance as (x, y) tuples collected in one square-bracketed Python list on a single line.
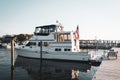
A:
[(55, 55)]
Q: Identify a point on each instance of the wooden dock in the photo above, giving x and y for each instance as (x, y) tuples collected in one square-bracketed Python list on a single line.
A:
[(109, 69)]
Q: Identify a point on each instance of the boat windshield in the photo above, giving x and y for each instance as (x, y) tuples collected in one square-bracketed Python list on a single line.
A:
[(45, 30)]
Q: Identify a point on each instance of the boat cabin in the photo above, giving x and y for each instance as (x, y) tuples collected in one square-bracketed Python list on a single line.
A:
[(52, 36)]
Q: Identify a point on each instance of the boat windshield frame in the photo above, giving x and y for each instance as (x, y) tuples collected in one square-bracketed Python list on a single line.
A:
[(45, 30)]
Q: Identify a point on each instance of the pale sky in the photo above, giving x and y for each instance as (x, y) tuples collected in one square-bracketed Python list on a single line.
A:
[(96, 18)]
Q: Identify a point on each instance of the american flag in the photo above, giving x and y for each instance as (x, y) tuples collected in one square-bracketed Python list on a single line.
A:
[(77, 33)]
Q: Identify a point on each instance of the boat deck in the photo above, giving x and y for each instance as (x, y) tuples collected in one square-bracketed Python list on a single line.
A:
[(109, 69)]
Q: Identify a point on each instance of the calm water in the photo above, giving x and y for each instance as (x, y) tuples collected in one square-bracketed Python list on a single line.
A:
[(33, 69)]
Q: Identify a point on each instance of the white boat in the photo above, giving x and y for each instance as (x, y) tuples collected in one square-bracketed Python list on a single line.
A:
[(56, 45)]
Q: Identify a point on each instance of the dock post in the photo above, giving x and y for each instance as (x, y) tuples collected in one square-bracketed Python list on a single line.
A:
[(40, 60), (12, 72), (41, 51), (12, 53)]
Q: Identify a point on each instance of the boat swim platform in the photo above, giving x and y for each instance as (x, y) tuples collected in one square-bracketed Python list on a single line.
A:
[(109, 69)]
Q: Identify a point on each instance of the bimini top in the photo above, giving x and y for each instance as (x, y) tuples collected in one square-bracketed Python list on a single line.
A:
[(45, 30)]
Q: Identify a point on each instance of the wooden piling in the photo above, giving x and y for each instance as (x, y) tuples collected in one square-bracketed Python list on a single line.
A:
[(12, 72), (12, 53), (40, 60), (41, 50)]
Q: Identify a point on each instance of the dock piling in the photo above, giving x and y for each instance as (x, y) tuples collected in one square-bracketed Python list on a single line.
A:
[(41, 51), (12, 53)]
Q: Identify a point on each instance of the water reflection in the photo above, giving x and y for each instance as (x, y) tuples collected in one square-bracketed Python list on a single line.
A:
[(12, 72), (51, 70)]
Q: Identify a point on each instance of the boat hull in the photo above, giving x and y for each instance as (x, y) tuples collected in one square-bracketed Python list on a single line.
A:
[(69, 56)]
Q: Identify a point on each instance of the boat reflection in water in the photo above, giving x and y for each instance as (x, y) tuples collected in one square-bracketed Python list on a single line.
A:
[(54, 70)]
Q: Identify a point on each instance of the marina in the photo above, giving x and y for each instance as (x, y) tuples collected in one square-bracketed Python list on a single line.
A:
[(54, 69), (59, 40), (38, 69), (52, 53)]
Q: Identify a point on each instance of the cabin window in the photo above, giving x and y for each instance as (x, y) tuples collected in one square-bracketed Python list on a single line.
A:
[(46, 44), (42, 31), (61, 37), (67, 37), (31, 44), (45, 30), (67, 49), (51, 29), (57, 49), (39, 44)]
